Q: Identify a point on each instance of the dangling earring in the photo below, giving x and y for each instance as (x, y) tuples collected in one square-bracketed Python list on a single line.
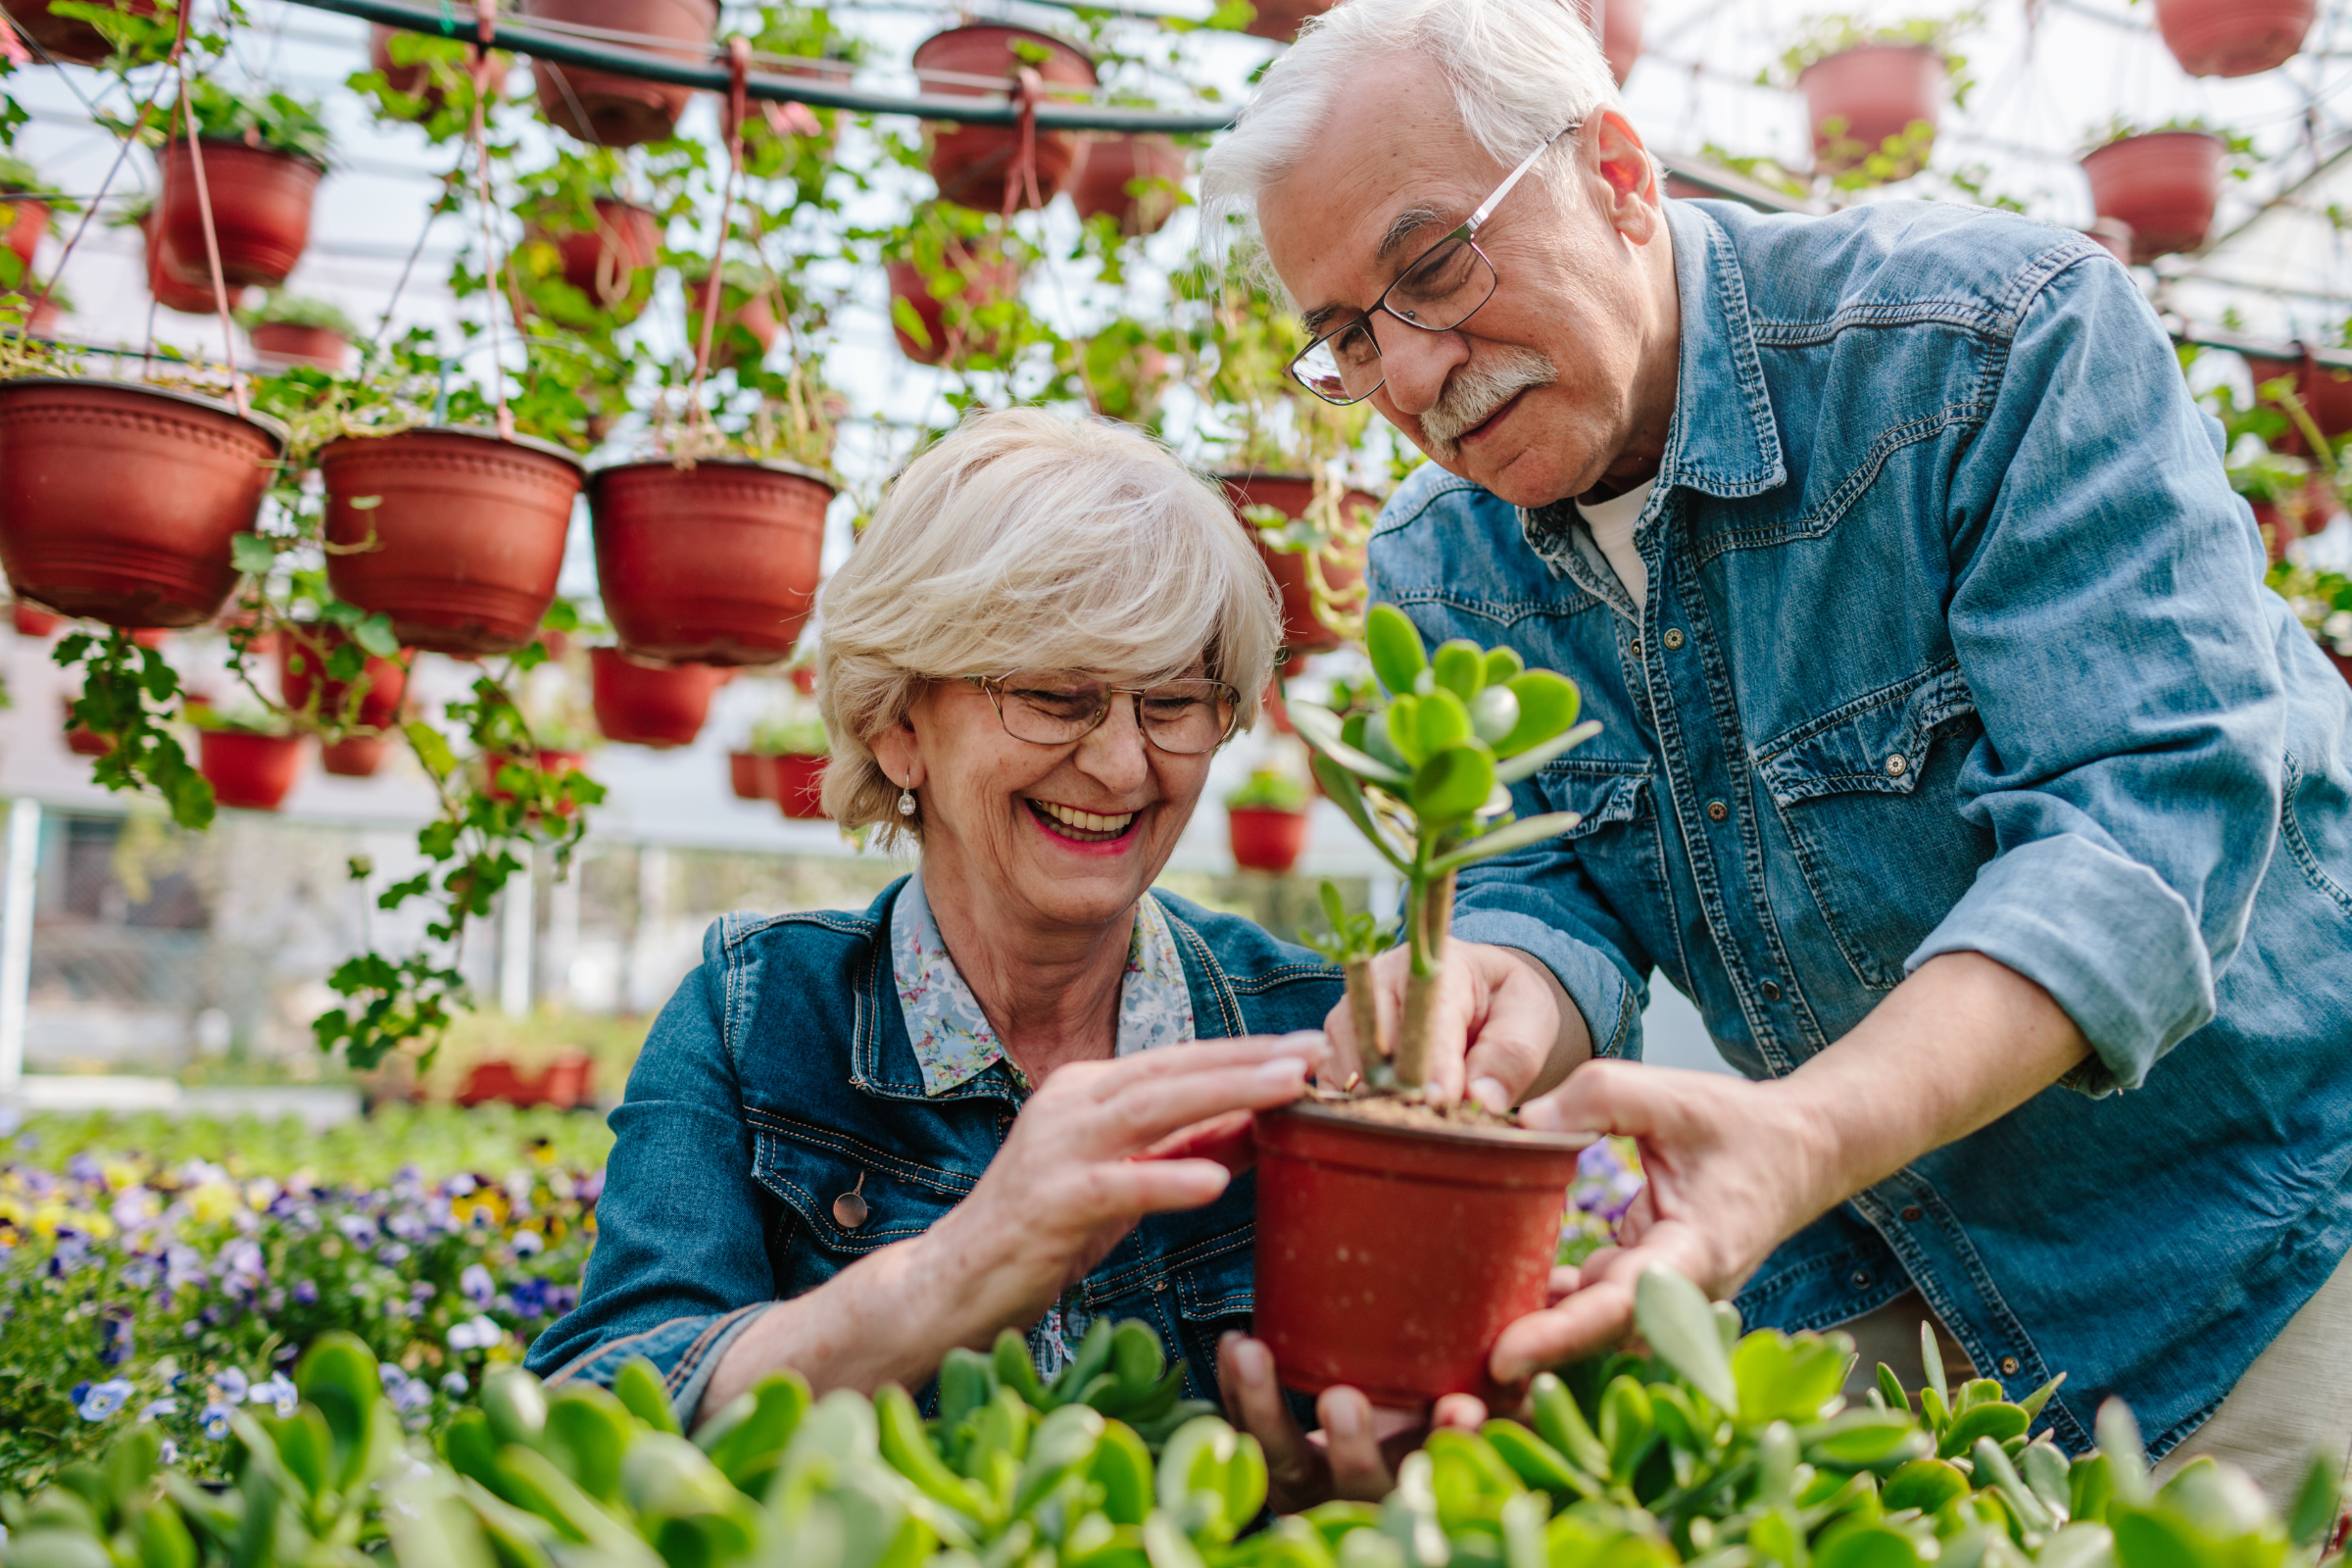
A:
[(906, 802)]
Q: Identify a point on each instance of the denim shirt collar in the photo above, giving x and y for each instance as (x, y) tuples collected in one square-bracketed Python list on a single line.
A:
[(952, 1039), (1723, 439)]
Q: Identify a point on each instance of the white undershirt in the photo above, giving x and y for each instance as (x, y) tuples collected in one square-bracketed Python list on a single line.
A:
[(1612, 524)]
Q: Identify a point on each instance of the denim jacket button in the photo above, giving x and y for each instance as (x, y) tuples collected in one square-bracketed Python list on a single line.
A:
[(1674, 637), (1158, 1286), (1770, 990), (1912, 1211), (1717, 810), (2009, 1365), (1897, 766), (1635, 648)]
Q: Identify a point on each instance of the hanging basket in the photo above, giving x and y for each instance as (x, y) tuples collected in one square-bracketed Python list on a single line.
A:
[(1859, 99), (650, 705), (715, 564), (292, 343), (117, 501), (28, 219), (608, 110), (603, 262), (799, 785), (355, 755), (32, 621), (985, 280), (2164, 185), (69, 38), (754, 312), (1620, 33), (752, 775), (261, 209), (1115, 163), (175, 285), (1292, 495), (251, 773), (1281, 19), (974, 162), (302, 670), (2233, 38), (1265, 839), (464, 537), (2324, 388), (416, 80)]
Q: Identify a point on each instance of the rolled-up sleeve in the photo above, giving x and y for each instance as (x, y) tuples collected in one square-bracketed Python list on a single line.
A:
[(2108, 617), (1540, 901), (680, 1266)]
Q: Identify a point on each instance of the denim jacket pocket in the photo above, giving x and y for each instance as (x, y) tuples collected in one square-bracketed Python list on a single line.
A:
[(811, 1169), (1867, 793), (1616, 840)]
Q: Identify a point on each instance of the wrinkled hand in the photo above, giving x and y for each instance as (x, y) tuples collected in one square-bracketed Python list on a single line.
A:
[(1733, 1168), (1080, 1168), (1355, 1453), (1499, 1026)]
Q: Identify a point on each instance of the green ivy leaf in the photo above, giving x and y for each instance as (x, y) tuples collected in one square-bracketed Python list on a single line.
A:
[(252, 553)]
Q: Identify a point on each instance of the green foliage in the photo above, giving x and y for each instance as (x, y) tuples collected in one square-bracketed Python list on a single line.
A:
[(1269, 789), (295, 310), (129, 695), (272, 120), (790, 735), (1352, 937), (1819, 37)]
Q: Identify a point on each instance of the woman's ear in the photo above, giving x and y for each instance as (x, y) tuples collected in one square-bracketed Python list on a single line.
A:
[(899, 755)]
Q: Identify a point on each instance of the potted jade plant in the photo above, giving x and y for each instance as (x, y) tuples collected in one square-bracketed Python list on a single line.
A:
[(2233, 38), (264, 156), (2164, 182), (641, 704), (1397, 1237), (288, 330), (1266, 821), (251, 761), (606, 108), (981, 166), (797, 751), (1873, 94)]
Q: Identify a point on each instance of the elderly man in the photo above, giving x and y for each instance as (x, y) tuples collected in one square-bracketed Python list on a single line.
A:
[(1954, 764)]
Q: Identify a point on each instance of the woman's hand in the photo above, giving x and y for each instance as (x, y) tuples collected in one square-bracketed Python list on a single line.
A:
[(1355, 1453), (1504, 1029)]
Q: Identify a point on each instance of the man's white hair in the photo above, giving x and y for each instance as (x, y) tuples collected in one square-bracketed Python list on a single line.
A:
[(1518, 69)]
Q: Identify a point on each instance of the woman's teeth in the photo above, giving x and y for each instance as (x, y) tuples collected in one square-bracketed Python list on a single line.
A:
[(1085, 826)]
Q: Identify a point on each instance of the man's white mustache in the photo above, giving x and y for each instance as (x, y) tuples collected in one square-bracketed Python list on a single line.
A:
[(1493, 376)]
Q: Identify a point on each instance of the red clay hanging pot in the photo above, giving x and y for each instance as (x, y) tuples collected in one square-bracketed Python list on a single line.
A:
[(713, 565), (291, 343), (301, 666), (602, 262), (752, 775), (27, 221), (32, 621), (608, 110), (175, 285), (1292, 495), (117, 501), (755, 315), (260, 209), (1281, 19), (800, 786), (417, 79), (985, 280), (467, 532), (1391, 1258), (1265, 839), (69, 38), (2163, 184), (1620, 33), (2326, 391), (253, 772), (974, 162), (1859, 98), (2233, 38), (1115, 163), (650, 705), (353, 755)]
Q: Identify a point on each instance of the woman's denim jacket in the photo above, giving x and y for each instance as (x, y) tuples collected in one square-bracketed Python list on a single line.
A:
[(1954, 641), (780, 1076)]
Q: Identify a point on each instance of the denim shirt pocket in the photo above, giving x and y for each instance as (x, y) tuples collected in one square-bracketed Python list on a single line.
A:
[(1867, 796), (1190, 1277), (1616, 840), (810, 1168)]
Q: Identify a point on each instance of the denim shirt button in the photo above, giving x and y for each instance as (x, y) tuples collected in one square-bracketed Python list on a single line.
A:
[(2009, 1365), (1913, 1212), (1158, 1285), (1674, 637), (1717, 810), (1860, 1280), (1897, 766), (1635, 648), (1770, 990)]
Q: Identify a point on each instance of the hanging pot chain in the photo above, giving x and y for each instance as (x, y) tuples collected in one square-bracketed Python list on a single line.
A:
[(485, 30), (739, 63), (204, 211)]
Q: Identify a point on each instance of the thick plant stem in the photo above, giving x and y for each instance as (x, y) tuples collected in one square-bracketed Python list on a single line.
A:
[(1363, 1012), (1432, 918)]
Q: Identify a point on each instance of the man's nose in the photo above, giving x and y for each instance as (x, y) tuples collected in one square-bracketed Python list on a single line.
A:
[(1417, 365)]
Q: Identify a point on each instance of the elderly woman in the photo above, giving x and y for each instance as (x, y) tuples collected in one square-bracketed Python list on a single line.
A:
[(854, 1141)]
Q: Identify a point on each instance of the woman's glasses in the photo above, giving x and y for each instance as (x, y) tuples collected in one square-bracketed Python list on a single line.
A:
[(1055, 707)]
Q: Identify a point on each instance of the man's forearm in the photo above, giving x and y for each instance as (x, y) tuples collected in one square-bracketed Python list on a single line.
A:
[(1572, 1048)]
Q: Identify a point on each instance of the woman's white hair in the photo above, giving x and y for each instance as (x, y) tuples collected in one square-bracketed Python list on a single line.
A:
[(1518, 69), (1025, 539)]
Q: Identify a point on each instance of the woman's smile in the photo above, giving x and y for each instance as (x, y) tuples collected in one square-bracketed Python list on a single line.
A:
[(1082, 828)]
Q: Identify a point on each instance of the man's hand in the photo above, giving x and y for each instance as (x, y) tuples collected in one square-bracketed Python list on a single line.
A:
[(1504, 1029), (1360, 1443)]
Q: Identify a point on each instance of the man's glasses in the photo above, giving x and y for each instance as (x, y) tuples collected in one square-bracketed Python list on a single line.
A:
[(1055, 707), (1442, 288)]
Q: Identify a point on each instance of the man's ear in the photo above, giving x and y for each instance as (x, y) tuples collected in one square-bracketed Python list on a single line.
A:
[(1628, 177)]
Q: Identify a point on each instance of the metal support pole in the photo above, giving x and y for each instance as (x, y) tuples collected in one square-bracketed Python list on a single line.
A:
[(517, 929), (16, 935)]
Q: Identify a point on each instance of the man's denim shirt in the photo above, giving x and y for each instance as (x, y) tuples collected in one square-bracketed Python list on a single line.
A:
[(780, 1076), (1954, 641)]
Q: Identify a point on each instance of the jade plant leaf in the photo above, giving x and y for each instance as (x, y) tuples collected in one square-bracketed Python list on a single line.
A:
[(1510, 836), (1459, 667), (1674, 1315), (1396, 648), (1341, 786), (1501, 664), (1548, 703), (1452, 784), (1439, 719), (1321, 729), (1527, 762)]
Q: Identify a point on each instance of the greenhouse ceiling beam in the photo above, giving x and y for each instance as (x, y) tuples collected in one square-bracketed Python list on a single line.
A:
[(562, 49)]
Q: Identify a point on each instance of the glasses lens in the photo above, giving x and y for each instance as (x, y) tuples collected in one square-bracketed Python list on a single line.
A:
[(1052, 707), (1443, 287), (1188, 716), (1318, 370)]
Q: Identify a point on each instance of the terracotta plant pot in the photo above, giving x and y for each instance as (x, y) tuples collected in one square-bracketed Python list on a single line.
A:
[(602, 262), (117, 501), (2233, 38), (2325, 389), (607, 109), (174, 283), (650, 705), (2164, 185), (804, 680), (1114, 163), (800, 786), (468, 532), (417, 79), (252, 773), (353, 755), (36, 622), (301, 668), (713, 565), (27, 221), (974, 162), (986, 280), (1281, 19), (1858, 98), (752, 775), (288, 343), (567, 1083), (1265, 839), (69, 38), (1390, 1259), (260, 209), (1620, 33), (2342, 661), (756, 315), (1292, 495)]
